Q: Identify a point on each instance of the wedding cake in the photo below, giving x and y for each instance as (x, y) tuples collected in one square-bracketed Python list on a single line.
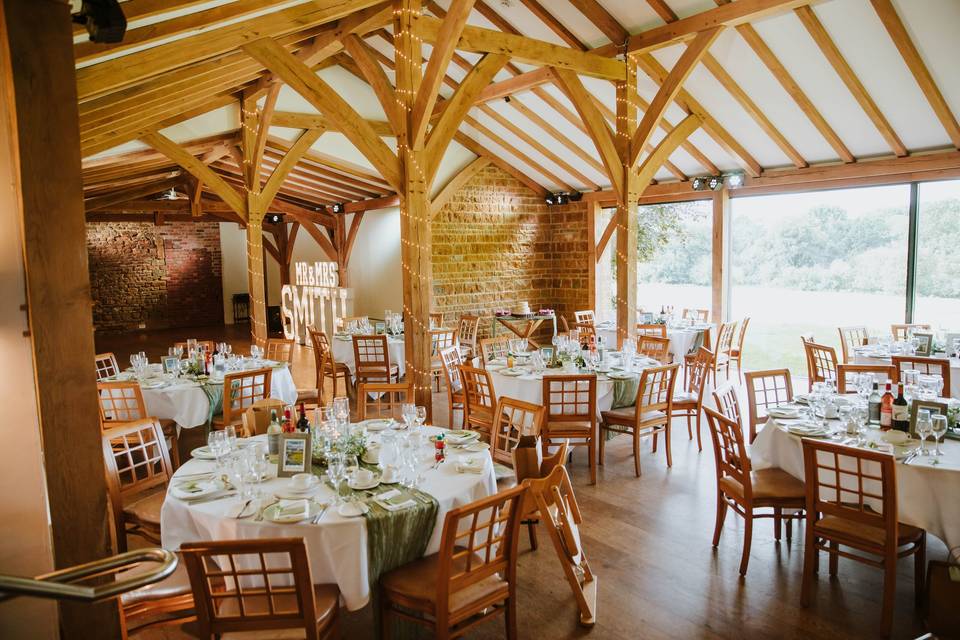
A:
[(522, 309)]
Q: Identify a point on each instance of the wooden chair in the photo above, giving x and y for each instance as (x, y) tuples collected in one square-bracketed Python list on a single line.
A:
[(901, 332), (821, 362), (766, 389), (587, 333), (851, 337), (279, 349), (690, 356), (656, 330), (881, 373), (471, 578), (933, 366), (744, 490), (584, 317), (736, 349), (531, 515), (327, 366), (689, 403), (721, 355), (241, 390), (260, 588), (553, 496), (383, 399), (698, 315), (106, 364), (654, 347), (451, 358), (436, 320), (371, 360), (467, 335), (649, 415), (479, 399), (138, 471), (122, 402), (492, 348), (727, 403), (571, 414), (851, 500), (169, 601), (514, 418), (439, 339)]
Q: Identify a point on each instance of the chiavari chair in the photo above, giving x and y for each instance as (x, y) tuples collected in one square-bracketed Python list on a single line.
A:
[(122, 401), (262, 587), (493, 348), (571, 414), (327, 366), (766, 389), (451, 358), (925, 365), (654, 347), (880, 372), (479, 399), (471, 578), (689, 403), (698, 315), (440, 339), (138, 471), (553, 496), (371, 360), (744, 490), (656, 330), (851, 501), (106, 364), (821, 362), (901, 332), (383, 399), (650, 414), (851, 337), (721, 355), (467, 335), (727, 403), (240, 390), (584, 317), (736, 348), (279, 349), (513, 419)]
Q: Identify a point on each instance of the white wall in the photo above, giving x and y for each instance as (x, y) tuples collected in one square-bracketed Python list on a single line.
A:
[(233, 264), (374, 272)]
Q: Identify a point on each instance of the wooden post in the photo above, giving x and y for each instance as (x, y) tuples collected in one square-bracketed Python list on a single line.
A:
[(415, 249), (593, 211), (721, 255), (627, 210), (40, 95), (255, 276)]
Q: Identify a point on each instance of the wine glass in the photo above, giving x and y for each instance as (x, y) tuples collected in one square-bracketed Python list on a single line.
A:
[(421, 415), (341, 410), (217, 442), (409, 413), (938, 429), (924, 429), (336, 473), (350, 466), (230, 434)]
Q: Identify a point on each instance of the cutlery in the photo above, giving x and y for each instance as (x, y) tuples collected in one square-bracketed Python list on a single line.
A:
[(264, 508), (911, 456), (319, 516), (221, 496), (246, 504)]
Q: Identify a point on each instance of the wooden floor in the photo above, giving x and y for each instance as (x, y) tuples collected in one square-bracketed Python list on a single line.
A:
[(648, 541)]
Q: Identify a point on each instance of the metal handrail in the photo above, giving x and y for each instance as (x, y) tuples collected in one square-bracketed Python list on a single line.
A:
[(60, 585)]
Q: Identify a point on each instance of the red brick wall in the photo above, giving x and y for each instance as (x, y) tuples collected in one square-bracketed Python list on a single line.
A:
[(496, 243), (155, 277)]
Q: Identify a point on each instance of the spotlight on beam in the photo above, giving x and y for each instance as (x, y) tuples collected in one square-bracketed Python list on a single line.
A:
[(103, 19), (338, 207), (576, 196), (735, 180), (550, 199), (273, 218)]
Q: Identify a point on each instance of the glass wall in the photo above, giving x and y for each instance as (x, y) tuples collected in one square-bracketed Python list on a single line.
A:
[(937, 299), (808, 263)]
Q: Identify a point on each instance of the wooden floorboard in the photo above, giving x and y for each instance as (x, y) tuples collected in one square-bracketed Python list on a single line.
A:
[(649, 542)]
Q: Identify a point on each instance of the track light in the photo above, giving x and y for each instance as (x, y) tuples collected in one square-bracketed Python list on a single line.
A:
[(715, 183), (338, 207), (550, 199), (575, 196), (273, 218), (735, 180)]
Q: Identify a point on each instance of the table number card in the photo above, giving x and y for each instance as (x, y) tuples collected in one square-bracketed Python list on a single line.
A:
[(295, 454)]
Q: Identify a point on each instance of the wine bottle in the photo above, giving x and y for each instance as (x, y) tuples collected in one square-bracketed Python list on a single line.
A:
[(273, 437), (901, 412), (873, 402), (303, 424), (886, 410), (287, 422)]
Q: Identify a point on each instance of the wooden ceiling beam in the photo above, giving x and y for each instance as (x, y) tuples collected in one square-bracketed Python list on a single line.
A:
[(662, 151), (263, 118), (554, 24), (372, 204), (303, 174), (318, 236), (92, 204), (602, 19), (376, 78), (513, 86), (339, 180), (611, 118), (330, 162), (290, 159), (142, 9), (299, 120), (297, 189)]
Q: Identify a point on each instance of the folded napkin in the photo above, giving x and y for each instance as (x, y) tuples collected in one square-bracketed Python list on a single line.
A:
[(291, 508), (783, 412), (473, 464), (390, 500), (194, 489)]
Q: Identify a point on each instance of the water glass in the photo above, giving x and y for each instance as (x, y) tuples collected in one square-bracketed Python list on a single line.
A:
[(409, 413), (938, 429), (219, 447), (924, 429), (336, 474), (421, 416), (341, 410), (230, 434), (928, 386), (350, 466), (256, 352)]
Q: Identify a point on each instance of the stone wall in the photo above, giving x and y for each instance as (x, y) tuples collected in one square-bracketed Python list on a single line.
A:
[(496, 243), (148, 276)]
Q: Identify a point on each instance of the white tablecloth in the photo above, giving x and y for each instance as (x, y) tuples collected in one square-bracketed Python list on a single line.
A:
[(337, 546), (927, 494), (343, 352), (861, 357), (681, 338)]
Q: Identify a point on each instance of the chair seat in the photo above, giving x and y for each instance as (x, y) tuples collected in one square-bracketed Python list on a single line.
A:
[(768, 484), (844, 529), (307, 394), (684, 396), (626, 416), (579, 428), (339, 369), (328, 600), (417, 581), (147, 509), (178, 584)]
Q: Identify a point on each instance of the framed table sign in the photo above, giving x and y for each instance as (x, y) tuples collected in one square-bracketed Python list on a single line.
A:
[(931, 405), (295, 454), (171, 364), (924, 342)]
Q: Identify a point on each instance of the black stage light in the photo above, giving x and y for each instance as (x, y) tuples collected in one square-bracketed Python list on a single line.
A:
[(103, 19)]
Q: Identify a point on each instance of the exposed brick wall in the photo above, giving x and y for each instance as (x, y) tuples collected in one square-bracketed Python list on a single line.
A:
[(496, 243), (156, 276)]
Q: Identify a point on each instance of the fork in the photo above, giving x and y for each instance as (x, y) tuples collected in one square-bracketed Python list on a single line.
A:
[(264, 508)]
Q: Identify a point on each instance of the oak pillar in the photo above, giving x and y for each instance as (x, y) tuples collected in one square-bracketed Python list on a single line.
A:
[(627, 210)]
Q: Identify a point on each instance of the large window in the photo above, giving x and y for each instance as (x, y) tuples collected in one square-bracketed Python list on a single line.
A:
[(938, 255), (809, 263)]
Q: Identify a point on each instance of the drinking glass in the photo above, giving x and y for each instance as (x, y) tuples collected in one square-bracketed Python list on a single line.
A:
[(409, 413), (421, 416), (335, 472), (928, 386), (864, 385), (261, 461), (924, 429), (230, 433), (938, 429), (956, 347), (350, 466), (217, 441), (341, 410)]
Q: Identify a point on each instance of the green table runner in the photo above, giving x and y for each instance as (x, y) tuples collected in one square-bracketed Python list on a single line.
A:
[(624, 395)]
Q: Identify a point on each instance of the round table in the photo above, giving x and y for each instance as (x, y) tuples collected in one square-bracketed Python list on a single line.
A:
[(868, 355), (682, 339), (337, 546), (926, 493), (342, 347)]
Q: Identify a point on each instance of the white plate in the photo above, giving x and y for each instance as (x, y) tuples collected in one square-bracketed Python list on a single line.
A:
[(203, 453), (352, 509), (361, 487), (313, 485), (273, 512), (377, 424), (476, 446), (513, 372), (153, 384), (621, 375), (807, 432), (197, 489), (783, 412)]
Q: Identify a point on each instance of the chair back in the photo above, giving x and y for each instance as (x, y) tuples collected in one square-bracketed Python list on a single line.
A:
[(729, 451), (441, 339), (657, 330), (851, 337), (654, 347), (741, 337), (697, 374), (570, 398), (725, 397), (106, 364), (467, 332), (821, 361), (514, 418), (479, 540), (655, 390), (383, 399), (934, 366), (436, 320), (765, 389), (251, 585), (881, 373), (371, 357), (491, 348), (242, 389), (901, 332), (451, 359), (584, 317), (479, 397), (698, 315), (279, 349), (725, 339), (586, 332), (851, 483), (120, 401)]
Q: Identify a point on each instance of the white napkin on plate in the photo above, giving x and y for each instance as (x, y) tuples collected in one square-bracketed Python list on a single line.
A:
[(472, 464), (292, 508), (384, 499)]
